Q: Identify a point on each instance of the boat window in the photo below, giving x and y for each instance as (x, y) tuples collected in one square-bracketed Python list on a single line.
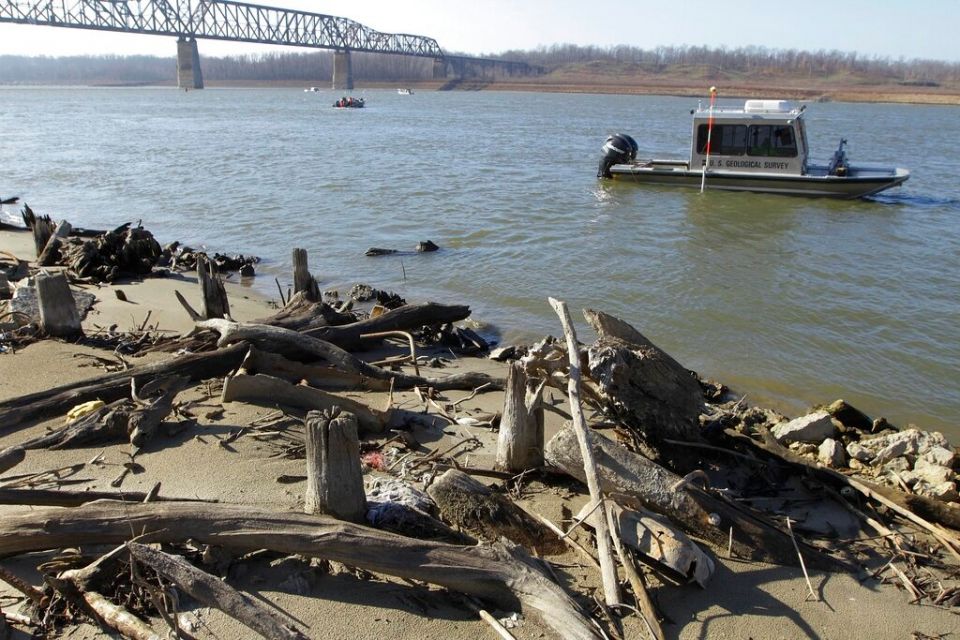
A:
[(726, 139), (772, 140)]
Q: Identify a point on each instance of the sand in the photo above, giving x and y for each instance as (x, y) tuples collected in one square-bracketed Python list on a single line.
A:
[(743, 600)]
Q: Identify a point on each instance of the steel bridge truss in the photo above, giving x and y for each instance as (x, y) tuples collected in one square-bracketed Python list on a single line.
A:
[(217, 20)]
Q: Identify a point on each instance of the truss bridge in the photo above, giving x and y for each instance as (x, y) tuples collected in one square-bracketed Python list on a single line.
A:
[(193, 20)]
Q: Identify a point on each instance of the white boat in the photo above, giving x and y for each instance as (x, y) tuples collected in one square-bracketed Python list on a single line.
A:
[(405, 92), (759, 146), (313, 90)]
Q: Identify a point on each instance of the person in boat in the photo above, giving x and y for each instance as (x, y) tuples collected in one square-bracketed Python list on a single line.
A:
[(350, 104)]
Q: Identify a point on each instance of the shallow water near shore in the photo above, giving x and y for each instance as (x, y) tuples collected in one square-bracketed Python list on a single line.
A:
[(790, 301)]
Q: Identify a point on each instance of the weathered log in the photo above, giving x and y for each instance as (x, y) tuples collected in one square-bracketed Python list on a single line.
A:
[(41, 226), (642, 386), (284, 341), (16, 413), (302, 280), (214, 302), (405, 318), (470, 505), (270, 391), (334, 475), (66, 498), (143, 423), (503, 575), (317, 375), (51, 251), (11, 457), (213, 592), (58, 310), (588, 466), (520, 441), (300, 314), (695, 511)]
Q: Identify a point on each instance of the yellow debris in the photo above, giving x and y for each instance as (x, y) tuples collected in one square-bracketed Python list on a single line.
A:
[(83, 409)]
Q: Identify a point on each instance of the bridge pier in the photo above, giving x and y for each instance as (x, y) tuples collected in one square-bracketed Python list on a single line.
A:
[(342, 70), (439, 69), (188, 64)]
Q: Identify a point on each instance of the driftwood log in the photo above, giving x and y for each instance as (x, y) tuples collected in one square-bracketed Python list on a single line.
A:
[(625, 475), (66, 498), (18, 412), (470, 505), (284, 341), (214, 302), (504, 575), (51, 252), (303, 282), (405, 318), (520, 441), (270, 391), (11, 457), (334, 475), (213, 592), (642, 386), (318, 374)]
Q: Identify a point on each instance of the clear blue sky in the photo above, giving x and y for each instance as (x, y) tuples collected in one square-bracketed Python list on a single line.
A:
[(886, 28)]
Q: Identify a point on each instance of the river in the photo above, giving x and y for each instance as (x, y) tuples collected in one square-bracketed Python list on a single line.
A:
[(790, 301)]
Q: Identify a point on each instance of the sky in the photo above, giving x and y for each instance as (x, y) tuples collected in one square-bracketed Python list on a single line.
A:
[(895, 29)]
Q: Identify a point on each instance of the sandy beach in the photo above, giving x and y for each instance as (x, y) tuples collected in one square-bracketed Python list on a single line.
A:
[(221, 455)]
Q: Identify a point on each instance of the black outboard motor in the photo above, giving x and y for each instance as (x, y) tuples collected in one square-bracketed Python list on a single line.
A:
[(618, 149)]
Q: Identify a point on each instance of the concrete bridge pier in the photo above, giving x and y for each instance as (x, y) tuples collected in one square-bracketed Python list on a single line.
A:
[(188, 64), (439, 69), (342, 70)]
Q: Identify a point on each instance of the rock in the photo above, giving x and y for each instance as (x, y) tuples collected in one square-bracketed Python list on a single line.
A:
[(849, 416), (814, 427), (426, 246), (940, 456), (944, 491), (932, 474), (504, 354), (893, 445), (930, 440), (858, 452), (897, 465), (831, 454)]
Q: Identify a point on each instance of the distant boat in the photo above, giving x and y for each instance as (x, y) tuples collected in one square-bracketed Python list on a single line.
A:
[(349, 103), (761, 146), (313, 89), (405, 92)]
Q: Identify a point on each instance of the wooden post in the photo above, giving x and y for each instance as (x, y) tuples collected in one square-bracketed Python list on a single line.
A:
[(52, 248), (334, 476), (58, 310), (520, 443), (42, 228), (302, 280), (214, 304)]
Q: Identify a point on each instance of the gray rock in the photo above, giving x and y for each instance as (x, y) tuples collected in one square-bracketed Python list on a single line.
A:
[(893, 445), (932, 474), (939, 455), (859, 452), (814, 427), (831, 454), (897, 465), (944, 491)]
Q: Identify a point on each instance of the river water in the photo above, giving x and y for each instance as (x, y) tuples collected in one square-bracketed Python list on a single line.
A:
[(790, 301)]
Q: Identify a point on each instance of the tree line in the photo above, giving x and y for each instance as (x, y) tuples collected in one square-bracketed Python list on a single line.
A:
[(317, 67)]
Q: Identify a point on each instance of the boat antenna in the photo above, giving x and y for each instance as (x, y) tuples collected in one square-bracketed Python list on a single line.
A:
[(703, 176)]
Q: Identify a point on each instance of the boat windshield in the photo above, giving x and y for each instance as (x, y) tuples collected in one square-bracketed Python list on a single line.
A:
[(765, 140)]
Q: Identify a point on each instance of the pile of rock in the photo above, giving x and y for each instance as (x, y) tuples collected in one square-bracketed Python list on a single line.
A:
[(841, 437)]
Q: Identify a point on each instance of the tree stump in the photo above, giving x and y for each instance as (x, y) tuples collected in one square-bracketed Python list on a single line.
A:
[(51, 251), (520, 443), (214, 304), (302, 280), (334, 476), (58, 310)]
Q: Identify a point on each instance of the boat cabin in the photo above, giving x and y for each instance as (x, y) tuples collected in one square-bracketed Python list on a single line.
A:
[(762, 136)]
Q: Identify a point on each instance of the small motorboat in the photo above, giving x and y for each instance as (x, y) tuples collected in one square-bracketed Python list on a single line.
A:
[(759, 146), (349, 103), (405, 92), (313, 90)]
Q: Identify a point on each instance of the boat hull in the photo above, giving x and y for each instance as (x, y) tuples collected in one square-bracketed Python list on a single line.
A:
[(857, 184)]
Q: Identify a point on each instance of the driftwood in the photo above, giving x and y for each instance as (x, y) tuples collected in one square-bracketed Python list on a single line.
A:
[(405, 318), (267, 390), (51, 252), (504, 575), (214, 302), (58, 310), (626, 475), (470, 505), (334, 476), (11, 457), (17, 412), (520, 441), (65, 498), (642, 386), (318, 375), (588, 462), (301, 314), (213, 592), (303, 282), (284, 341)]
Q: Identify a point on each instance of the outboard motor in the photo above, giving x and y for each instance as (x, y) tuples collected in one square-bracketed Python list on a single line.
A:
[(618, 149)]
